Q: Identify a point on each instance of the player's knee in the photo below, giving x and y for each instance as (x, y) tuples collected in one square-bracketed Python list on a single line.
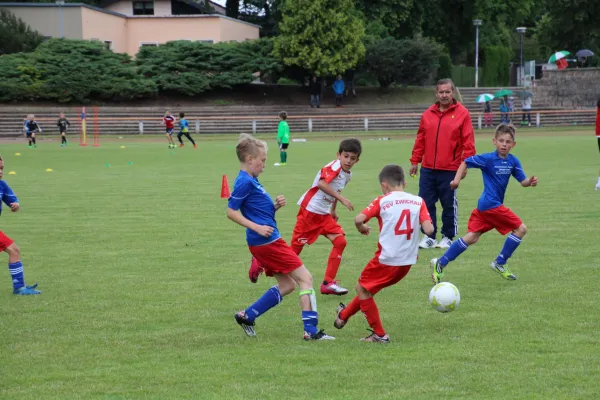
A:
[(521, 230), (361, 291), (339, 242), (13, 250), (471, 238)]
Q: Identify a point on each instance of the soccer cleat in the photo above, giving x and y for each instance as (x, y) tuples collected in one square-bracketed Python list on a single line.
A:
[(255, 270), (26, 290), (181, 145), (195, 146), (375, 338), (276, 164), (445, 243), (29, 146), (283, 163), (35, 146), (333, 288), (437, 271), (62, 145), (427, 243), (339, 323), (321, 335), (503, 270), (247, 326), (597, 185)]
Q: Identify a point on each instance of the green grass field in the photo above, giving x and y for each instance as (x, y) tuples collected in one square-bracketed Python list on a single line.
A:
[(141, 273)]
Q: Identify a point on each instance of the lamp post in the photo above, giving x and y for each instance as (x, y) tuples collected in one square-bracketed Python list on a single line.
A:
[(60, 3), (477, 23), (521, 31)]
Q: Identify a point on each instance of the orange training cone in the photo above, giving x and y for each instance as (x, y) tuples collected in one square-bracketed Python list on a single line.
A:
[(225, 188)]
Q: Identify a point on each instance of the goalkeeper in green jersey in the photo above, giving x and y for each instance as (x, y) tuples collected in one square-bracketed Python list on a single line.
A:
[(283, 138)]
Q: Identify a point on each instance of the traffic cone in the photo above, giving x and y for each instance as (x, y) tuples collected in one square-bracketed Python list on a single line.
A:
[(225, 188)]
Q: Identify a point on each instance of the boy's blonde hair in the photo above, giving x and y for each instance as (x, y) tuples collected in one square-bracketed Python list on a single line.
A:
[(248, 145), (504, 129)]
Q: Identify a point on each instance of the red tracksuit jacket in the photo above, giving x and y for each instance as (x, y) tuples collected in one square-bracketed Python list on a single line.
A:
[(598, 121), (444, 140)]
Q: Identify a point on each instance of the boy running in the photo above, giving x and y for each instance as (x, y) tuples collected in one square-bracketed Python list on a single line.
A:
[(400, 215), (31, 128), (496, 169), (251, 206), (15, 265), (283, 138), (63, 124), (169, 122), (184, 130)]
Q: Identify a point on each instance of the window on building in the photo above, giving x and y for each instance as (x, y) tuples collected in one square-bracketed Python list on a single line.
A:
[(107, 44), (148, 44), (206, 41), (143, 8)]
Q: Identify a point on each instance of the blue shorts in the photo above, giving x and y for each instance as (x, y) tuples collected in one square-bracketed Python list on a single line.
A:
[(170, 131), (29, 134)]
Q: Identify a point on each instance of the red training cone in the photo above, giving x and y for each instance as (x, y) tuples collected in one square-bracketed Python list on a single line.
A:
[(225, 188)]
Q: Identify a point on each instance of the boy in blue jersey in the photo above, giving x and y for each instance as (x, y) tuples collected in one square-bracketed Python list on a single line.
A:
[(15, 266), (184, 130), (496, 169), (31, 127), (251, 206)]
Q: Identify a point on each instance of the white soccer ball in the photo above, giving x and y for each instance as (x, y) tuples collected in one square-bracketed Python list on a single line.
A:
[(444, 297)]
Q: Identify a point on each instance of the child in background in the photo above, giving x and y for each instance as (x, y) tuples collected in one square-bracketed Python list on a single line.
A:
[(63, 124), (184, 130), (31, 127), (169, 122), (283, 138)]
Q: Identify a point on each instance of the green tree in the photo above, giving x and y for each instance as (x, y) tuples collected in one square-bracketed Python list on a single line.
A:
[(395, 15), (322, 36), (232, 8), (16, 35), (190, 68), (570, 25)]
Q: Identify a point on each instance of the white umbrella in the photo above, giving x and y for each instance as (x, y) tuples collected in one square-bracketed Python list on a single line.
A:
[(482, 98)]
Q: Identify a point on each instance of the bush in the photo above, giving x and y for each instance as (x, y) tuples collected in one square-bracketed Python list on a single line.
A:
[(287, 81)]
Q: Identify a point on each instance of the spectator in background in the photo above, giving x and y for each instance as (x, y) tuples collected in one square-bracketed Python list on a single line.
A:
[(598, 137), (338, 89), (444, 140), (314, 88), (503, 112), (526, 108), (488, 118), (350, 82)]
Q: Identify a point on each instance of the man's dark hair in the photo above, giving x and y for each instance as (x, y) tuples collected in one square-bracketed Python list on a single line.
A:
[(392, 174), (181, 114), (350, 146)]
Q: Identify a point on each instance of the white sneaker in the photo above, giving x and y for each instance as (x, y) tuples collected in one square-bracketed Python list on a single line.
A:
[(427, 243), (444, 243)]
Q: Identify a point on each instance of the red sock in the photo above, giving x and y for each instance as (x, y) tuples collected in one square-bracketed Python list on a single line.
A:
[(352, 308), (335, 258), (369, 308)]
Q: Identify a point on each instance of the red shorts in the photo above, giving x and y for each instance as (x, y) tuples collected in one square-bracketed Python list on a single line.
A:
[(276, 258), (5, 241), (309, 226), (377, 276), (501, 218)]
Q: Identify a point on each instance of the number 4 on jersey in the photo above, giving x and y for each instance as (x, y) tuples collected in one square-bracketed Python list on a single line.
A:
[(404, 216)]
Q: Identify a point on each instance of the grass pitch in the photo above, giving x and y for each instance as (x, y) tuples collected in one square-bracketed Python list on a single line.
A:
[(141, 273)]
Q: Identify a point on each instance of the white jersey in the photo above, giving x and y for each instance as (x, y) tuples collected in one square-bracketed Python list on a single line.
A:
[(319, 202), (400, 216)]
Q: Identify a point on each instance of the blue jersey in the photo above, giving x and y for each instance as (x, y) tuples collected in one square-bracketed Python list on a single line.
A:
[(254, 202), (496, 172), (183, 124), (31, 126), (7, 195)]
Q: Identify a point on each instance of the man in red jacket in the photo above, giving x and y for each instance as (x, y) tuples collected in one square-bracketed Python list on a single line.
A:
[(444, 140), (598, 137)]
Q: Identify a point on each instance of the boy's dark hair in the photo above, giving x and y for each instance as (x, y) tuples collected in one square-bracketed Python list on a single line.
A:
[(283, 115), (350, 146), (506, 128), (598, 102), (392, 174), (181, 114)]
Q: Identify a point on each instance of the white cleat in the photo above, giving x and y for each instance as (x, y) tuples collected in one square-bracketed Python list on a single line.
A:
[(445, 243), (427, 243), (276, 164)]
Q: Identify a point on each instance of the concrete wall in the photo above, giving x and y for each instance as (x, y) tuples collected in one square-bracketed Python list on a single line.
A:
[(45, 20), (568, 88), (237, 31), (105, 27), (162, 30), (124, 7)]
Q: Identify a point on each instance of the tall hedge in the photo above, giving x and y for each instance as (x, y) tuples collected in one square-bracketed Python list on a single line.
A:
[(496, 65)]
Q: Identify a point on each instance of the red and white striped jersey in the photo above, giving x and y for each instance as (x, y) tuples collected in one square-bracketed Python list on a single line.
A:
[(317, 201), (400, 216)]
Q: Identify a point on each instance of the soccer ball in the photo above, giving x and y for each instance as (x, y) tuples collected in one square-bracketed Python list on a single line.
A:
[(444, 297)]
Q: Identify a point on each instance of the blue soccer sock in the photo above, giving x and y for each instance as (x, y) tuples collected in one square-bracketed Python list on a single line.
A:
[(510, 245), (311, 321), (270, 299), (16, 273), (455, 250)]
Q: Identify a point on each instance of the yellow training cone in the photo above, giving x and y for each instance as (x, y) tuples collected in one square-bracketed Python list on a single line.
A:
[(122, 147), (12, 173), (48, 169), (17, 154)]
